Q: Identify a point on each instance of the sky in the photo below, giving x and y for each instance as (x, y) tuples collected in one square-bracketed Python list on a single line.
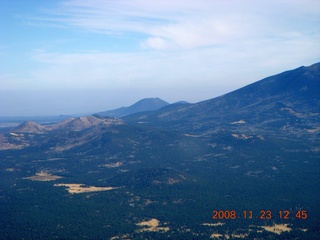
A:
[(85, 56)]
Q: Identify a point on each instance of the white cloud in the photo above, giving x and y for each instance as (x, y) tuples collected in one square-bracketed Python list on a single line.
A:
[(190, 24), (213, 67), (164, 23), (158, 43)]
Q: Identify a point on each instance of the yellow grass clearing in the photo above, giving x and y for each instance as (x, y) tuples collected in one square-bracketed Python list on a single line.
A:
[(152, 226), (213, 224), (112, 165), (191, 135), (43, 176), (216, 235), (239, 235), (317, 129), (278, 228), (239, 122), (81, 188), (227, 236), (241, 136)]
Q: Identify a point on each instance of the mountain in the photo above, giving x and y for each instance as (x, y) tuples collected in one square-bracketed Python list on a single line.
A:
[(284, 104), (146, 104), (81, 123), (30, 127), (60, 136), (59, 125), (242, 165), (287, 102)]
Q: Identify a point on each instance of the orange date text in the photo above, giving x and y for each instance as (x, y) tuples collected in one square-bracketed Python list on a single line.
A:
[(262, 214)]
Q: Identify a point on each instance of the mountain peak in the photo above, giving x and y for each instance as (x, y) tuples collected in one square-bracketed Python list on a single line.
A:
[(143, 105), (148, 104), (81, 123), (30, 127)]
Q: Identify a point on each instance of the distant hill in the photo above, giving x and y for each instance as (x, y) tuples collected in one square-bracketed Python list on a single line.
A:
[(289, 101), (70, 133), (30, 127), (146, 104)]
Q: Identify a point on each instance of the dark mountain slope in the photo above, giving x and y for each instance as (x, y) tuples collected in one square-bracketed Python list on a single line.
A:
[(287, 101), (146, 104)]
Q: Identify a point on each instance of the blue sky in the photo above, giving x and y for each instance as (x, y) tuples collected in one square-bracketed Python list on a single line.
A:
[(82, 56)]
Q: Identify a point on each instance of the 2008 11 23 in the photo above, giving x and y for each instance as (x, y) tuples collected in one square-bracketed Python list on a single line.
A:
[(263, 214)]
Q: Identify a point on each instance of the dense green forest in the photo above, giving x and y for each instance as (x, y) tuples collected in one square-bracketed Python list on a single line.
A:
[(178, 180)]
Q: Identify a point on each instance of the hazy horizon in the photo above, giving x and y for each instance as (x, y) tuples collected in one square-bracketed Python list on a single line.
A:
[(81, 56), (82, 101)]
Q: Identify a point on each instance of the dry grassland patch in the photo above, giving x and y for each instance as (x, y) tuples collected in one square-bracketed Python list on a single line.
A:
[(277, 228), (112, 165), (81, 188), (227, 236), (239, 122), (216, 235), (241, 136), (213, 224), (43, 176), (152, 226)]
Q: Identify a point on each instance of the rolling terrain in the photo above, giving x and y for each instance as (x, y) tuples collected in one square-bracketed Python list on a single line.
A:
[(242, 165)]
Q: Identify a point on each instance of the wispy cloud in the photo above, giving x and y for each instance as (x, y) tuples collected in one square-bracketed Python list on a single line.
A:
[(213, 67), (196, 40), (189, 24)]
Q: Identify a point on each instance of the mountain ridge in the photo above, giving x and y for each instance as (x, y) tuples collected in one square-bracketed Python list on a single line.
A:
[(143, 105), (286, 104), (287, 97)]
